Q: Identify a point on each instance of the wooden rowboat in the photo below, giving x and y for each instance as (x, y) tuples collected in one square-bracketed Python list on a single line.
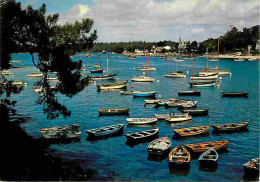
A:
[(103, 77), (202, 147), (178, 117), (144, 94), (209, 157), (230, 126), (196, 112), (179, 156), (252, 167), (191, 131), (234, 94), (109, 112), (142, 135), (159, 146), (105, 131), (137, 121)]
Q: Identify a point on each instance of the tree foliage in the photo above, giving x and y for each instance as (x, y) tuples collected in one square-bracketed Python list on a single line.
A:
[(32, 31)]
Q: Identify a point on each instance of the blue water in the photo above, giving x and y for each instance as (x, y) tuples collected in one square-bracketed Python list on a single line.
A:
[(112, 158)]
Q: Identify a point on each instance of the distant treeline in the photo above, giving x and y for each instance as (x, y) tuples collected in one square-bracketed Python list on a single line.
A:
[(232, 41)]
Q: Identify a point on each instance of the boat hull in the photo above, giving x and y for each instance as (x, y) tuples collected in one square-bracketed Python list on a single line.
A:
[(196, 112), (103, 77), (119, 85), (230, 128), (144, 94), (106, 133), (184, 93), (235, 94), (111, 112), (217, 145)]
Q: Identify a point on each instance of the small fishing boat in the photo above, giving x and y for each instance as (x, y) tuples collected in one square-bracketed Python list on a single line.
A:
[(178, 117), (213, 60), (105, 131), (109, 112), (234, 94), (179, 156), (252, 167), (196, 112), (62, 135), (108, 86), (6, 72), (202, 84), (96, 71), (61, 132), (153, 101), (142, 78), (144, 94), (230, 127), (161, 116), (103, 77), (191, 131), (175, 75), (142, 135), (209, 158), (189, 92), (146, 68), (202, 147), (137, 121), (126, 92), (239, 59), (52, 78), (159, 146), (132, 57), (187, 105), (205, 76), (72, 127), (35, 74), (17, 83), (37, 88)]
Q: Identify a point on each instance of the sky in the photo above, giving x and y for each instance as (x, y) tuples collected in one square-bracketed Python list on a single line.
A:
[(156, 20)]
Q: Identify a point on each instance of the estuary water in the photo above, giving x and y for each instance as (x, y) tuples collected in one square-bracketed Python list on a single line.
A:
[(112, 158)]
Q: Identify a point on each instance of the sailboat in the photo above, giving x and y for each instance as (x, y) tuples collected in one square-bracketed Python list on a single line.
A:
[(176, 74), (146, 67), (104, 77), (215, 70), (144, 94), (97, 65), (190, 92)]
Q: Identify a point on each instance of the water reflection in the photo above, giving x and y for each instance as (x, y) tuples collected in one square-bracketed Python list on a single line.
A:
[(141, 125), (139, 142), (208, 167), (215, 132), (177, 137), (157, 158), (61, 141), (177, 124), (94, 139), (179, 170)]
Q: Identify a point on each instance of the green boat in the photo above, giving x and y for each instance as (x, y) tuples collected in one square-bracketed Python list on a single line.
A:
[(230, 127), (196, 112), (110, 112)]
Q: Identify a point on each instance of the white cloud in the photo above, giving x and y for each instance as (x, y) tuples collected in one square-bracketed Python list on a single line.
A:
[(151, 20), (197, 30)]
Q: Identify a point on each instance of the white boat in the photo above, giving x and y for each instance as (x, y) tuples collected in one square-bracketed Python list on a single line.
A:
[(108, 86), (6, 72), (205, 76), (175, 75), (144, 94), (178, 117), (159, 146), (203, 83), (154, 101), (137, 121), (35, 74), (37, 89), (52, 78), (161, 116), (213, 60), (239, 59), (252, 59), (17, 83), (147, 68), (142, 78)]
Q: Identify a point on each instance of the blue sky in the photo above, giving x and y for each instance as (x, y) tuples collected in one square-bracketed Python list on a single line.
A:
[(155, 20)]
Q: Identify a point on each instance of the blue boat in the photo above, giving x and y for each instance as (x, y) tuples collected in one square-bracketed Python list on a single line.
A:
[(144, 94)]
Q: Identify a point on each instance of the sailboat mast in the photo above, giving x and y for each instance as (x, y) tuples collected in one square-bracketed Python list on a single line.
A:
[(192, 75), (207, 60), (218, 53), (107, 64), (86, 65), (147, 54)]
